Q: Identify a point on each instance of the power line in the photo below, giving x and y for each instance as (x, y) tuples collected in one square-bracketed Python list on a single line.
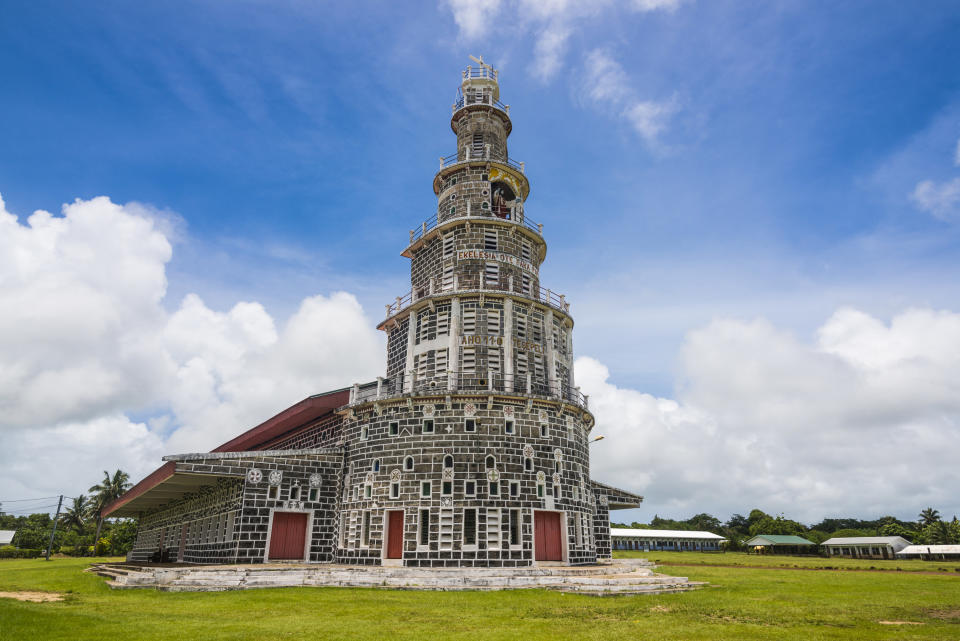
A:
[(42, 498)]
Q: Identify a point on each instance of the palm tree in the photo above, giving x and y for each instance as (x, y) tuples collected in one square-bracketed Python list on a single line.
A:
[(928, 516), (76, 515), (108, 490)]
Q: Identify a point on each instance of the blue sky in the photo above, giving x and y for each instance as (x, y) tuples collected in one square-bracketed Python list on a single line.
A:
[(692, 162)]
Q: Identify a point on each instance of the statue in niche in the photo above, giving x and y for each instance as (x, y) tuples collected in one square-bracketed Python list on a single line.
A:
[(501, 200)]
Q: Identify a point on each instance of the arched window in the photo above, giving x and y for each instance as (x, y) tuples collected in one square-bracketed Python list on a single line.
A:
[(448, 461), (490, 462), (528, 465), (376, 465), (408, 464)]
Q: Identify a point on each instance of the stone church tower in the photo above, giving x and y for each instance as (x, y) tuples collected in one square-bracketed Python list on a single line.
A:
[(472, 450)]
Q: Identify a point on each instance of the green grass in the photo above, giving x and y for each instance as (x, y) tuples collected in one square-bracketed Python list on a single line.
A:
[(740, 604), (773, 560)]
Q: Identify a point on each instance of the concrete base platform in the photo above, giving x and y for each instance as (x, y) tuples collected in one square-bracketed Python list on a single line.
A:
[(627, 576)]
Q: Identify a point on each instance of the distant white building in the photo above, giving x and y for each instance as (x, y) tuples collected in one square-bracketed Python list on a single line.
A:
[(930, 552), (647, 540), (6, 536), (866, 547)]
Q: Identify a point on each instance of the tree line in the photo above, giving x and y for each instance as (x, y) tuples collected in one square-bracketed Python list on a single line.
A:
[(929, 528), (81, 528)]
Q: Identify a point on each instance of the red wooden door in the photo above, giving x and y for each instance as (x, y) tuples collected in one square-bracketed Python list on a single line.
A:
[(395, 534), (546, 534), (288, 536)]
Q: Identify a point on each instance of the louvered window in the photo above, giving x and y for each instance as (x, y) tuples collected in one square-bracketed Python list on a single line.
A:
[(491, 274), (448, 246), (440, 364), (443, 323), (525, 252), (447, 279), (469, 360), (493, 322), (490, 239), (470, 321)]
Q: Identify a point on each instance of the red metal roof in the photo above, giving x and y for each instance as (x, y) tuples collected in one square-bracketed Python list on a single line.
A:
[(306, 411)]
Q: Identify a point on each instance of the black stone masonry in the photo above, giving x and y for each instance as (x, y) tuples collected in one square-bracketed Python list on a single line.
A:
[(472, 451)]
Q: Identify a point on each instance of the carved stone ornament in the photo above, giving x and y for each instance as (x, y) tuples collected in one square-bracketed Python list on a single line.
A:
[(603, 499), (470, 410), (541, 476), (508, 411), (446, 501), (556, 479), (528, 451), (371, 477), (543, 416), (448, 474), (396, 475), (558, 454), (315, 480), (429, 410), (276, 476), (493, 476), (254, 475)]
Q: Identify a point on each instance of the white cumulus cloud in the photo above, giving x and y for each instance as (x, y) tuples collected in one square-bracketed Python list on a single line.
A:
[(940, 199), (864, 420), (95, 373)]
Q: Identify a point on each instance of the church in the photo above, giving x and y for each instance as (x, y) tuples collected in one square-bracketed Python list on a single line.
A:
[(473, 450)]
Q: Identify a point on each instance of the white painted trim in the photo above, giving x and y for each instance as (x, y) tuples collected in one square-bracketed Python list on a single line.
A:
[(308, 539)]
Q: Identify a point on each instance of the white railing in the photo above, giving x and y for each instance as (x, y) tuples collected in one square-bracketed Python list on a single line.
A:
[(464, 283)]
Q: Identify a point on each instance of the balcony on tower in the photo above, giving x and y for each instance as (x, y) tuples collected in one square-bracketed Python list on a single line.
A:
[(480, 87)]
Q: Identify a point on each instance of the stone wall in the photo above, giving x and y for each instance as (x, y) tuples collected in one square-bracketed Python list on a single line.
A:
[(542, 465)]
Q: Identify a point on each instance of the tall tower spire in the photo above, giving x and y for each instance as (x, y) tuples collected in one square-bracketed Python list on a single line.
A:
[(479, 381)]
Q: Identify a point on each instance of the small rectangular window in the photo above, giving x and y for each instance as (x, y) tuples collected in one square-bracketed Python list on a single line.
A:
[(540, 491), (544, 430), (494, 488), (368, 491), (424, 527), (490, 239), (470, 488), (469, 321), (447, 488), (428, 426), (365, 540), (514, 527), (470, 526), (514, 489), (508, 426), (443, 323), (295, 493), (493, 322), (364, 432), (470, 425), (314, 492), (448, 246), (425, 489), (491, 274), (469, 360), (556, 490), (272, 492), (394, 428), (394, 490), (525, 251)]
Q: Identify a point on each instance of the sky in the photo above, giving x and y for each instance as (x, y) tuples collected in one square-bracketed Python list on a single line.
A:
[(753, 207)]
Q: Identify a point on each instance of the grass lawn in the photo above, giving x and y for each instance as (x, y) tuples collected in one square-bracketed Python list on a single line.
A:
[(774, 560), (741, 603)]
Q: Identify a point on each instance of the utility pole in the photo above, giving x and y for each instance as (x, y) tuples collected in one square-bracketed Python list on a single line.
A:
[(54, 530)]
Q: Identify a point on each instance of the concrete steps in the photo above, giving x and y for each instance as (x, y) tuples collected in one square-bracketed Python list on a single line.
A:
[(631, 577)]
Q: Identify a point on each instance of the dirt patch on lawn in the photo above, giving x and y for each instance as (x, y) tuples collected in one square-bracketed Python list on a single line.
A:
[(953, 616), (899, 623), (660, 608), (34, 597)]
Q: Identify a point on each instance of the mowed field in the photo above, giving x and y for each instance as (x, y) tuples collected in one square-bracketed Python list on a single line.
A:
[(742, 602)]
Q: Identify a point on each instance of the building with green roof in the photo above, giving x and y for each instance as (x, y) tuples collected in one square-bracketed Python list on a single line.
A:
[(781, 544)]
